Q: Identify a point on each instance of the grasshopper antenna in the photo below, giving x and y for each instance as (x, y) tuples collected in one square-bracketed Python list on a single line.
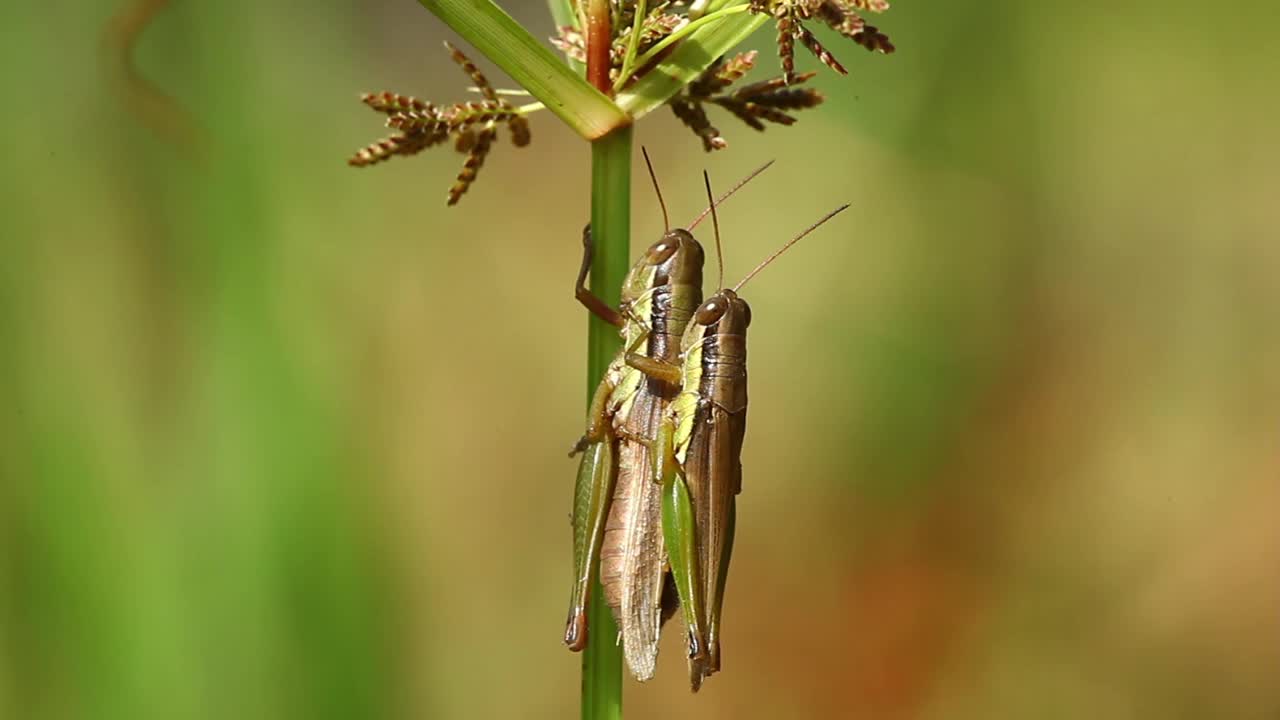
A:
[(666, 223), (750, 176), (790, 242), (715, 223)]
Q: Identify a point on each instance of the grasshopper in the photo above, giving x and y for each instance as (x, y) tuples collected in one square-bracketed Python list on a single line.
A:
[(617, 510), (697, 455)]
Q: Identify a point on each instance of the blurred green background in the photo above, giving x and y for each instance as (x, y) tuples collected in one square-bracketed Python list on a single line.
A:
[(284, 439)]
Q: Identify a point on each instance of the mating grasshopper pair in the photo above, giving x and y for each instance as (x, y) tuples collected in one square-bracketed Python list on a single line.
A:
[(654, 503)]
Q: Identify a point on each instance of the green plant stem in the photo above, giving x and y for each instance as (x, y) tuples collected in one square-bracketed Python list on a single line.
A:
[(633, 46), (611, 230)]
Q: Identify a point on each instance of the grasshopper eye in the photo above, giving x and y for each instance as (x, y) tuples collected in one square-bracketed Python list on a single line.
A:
[(710, 311), (661, 250)]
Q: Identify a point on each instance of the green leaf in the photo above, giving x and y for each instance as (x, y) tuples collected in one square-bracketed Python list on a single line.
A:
[(509, 46), (695, 54), (563, 14)]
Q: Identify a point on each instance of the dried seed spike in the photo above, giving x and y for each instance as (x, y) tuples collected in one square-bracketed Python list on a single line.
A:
[(721, 75), (474, 161), (806, 9), (811, 42), (850, 26), (799, 98), (477, 77), (388, 146), (841, 16), (732, 71), (752, 113), (791, 98), (756, 89), (741, 111), (520, 135), (773, 115), (786, 42), (376, 152), (570, 43), (658, 25), (692, 115), (463, 114), (708, 82), (439, 136), (874, 40), (465, 141), (427, 140), (389, 102), (876, 6), (472, 126), (414, 120), (772, 93), (754, 104)]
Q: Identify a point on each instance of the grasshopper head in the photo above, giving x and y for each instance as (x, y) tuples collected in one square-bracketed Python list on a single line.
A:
[(676, 259), (724, 314)]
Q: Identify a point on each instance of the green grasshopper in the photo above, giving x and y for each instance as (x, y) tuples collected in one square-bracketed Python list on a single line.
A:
[(697, 455), (617, 510)]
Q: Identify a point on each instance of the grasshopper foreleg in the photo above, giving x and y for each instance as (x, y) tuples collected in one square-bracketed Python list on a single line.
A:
[(658, 369), (597, 416), (590, 300)]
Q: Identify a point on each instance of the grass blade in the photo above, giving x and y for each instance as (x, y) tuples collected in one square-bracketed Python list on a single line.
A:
[(522, 56), (695, 54)]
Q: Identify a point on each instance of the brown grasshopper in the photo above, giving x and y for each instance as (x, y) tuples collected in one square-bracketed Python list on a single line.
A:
[(617, 509), (697, 454)]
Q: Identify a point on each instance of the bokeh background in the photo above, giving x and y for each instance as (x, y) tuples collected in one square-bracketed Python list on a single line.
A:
[(284, 439)]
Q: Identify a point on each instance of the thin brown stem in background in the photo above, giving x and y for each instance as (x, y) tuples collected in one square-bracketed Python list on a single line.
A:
[(152, 106)]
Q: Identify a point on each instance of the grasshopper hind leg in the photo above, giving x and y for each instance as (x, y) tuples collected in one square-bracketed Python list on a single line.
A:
[(670, 598), (592, 493), (713, 624), (679, 532)]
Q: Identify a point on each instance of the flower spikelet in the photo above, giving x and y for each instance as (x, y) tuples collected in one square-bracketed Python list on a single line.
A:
[(843, 16), (472, 124), (755, 104)]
